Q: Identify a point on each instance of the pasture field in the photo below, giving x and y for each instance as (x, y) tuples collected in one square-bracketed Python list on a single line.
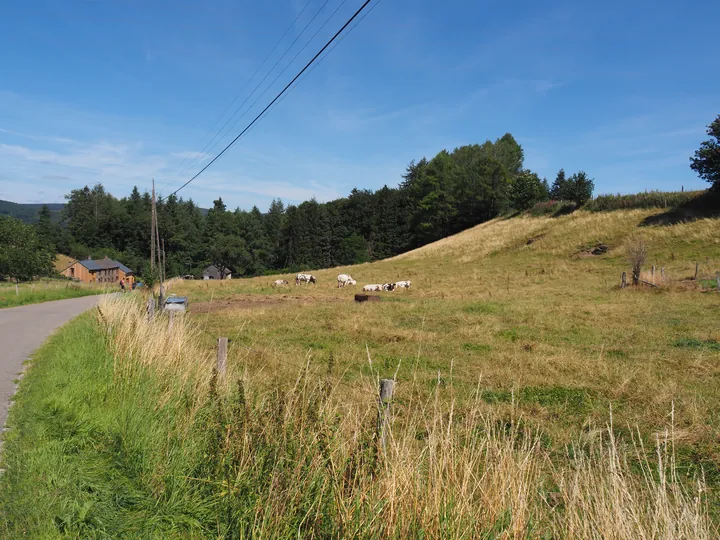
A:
[(539, 326), (534, 399), (44, 290)]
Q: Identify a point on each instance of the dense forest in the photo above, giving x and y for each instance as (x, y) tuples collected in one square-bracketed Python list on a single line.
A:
[(436, 198)]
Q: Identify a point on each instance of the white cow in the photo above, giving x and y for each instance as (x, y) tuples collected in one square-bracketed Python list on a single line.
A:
[(370, 288), (279, 282), (403, 284), (305, 278), (345, 279)]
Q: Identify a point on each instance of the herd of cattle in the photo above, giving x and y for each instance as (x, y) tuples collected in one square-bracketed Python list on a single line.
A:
[(343, 280)]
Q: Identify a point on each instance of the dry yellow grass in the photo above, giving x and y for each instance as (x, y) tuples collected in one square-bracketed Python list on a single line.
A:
[(454, 466)]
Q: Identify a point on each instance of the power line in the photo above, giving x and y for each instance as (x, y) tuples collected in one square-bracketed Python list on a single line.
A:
[(195, 159), (287, 50), (269, 86), (278, 96)]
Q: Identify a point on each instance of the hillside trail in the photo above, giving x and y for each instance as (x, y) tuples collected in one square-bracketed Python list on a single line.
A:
[(23, 329)]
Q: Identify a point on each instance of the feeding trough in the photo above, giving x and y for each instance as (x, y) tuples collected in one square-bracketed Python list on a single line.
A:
[(176, 303)]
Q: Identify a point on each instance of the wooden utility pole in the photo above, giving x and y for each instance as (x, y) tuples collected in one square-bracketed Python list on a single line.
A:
[(152, 228)]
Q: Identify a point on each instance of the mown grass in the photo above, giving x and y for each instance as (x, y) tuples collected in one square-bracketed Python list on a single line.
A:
[(123, 429), (44, 290)]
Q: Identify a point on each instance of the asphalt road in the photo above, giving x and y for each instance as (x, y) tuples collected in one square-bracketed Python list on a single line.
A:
[(23, 329)]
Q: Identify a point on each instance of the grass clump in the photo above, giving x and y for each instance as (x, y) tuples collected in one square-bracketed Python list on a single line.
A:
[(125, 429), (693, 343)]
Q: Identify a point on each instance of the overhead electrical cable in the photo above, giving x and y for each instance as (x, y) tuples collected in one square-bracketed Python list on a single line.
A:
[(272, 83), (239, 108), (247, 83), (279, 95)]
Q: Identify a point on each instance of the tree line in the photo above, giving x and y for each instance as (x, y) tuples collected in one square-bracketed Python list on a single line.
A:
[(436, 198)]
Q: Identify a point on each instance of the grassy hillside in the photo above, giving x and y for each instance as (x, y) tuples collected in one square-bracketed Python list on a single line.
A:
[(534, 398), (29, 212)]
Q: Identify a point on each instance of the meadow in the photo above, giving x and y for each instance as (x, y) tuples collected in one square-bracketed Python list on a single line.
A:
[(44, 290), (533, 398)]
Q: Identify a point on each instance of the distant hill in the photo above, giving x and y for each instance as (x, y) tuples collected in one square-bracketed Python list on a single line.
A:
[(28, 212)]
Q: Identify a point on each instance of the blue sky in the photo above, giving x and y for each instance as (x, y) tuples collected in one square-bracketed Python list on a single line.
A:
[(120, 91)]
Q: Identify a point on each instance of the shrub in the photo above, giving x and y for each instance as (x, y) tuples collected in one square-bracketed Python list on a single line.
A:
[(647, 199), (637, 252)]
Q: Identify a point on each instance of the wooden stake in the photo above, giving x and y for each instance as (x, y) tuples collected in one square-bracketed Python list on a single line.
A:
[(662, 273), (384, 402), (222, 351), (623, 280), (150, 308), (652, 271), (697, 270)]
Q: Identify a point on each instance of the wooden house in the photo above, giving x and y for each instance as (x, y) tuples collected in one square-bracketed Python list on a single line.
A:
[(100, 271), (213, 272)]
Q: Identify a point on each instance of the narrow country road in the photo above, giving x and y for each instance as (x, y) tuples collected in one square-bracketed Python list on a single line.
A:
[(23, 329)]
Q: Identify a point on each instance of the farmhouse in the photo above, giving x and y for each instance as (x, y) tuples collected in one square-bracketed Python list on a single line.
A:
[(100, 271), (213, 272)]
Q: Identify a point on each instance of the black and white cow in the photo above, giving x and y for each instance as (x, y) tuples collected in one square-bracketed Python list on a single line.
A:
[(305, 278)]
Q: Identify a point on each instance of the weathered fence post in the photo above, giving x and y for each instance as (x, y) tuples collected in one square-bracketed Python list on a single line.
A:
[(652, 272), (623, 280), (222, 351), (697, 270), (150, 308), (384, 402)]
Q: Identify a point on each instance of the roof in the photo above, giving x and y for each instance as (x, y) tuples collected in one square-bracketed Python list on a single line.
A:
[(104, 264), (212, 269)]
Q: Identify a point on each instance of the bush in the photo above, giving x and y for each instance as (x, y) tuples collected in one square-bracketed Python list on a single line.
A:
[(552, 208), (647, 199)]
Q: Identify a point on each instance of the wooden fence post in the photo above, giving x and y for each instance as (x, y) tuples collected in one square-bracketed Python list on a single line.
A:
[(384, 402), (623, 280), (652, 272), (697, 269), (222, 351), (150, 308)]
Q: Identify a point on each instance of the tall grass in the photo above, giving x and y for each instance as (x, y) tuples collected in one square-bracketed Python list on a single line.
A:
[(188, 452)]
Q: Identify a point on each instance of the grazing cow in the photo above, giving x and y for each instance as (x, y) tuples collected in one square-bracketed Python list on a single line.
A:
[(388, 287), (345, 279), (305, 278), (279, 282), (402, 284), (369, 288)]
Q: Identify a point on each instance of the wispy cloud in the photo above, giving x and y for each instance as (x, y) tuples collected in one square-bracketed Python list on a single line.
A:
[(62, 140)]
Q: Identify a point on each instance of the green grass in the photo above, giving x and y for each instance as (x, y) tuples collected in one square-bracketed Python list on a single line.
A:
[(43, 291), (82, 453)]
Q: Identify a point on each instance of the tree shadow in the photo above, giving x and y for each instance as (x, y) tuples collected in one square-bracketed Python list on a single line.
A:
[(704, 206)]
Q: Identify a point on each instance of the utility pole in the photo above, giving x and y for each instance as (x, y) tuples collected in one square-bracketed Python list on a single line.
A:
[(152, 229)]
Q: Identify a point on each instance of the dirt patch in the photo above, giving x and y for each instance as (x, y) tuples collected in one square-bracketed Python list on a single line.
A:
[(594, 251), (254, 301)]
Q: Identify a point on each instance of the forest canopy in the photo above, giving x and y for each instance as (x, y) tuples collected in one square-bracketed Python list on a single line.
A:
[(436, 198)]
